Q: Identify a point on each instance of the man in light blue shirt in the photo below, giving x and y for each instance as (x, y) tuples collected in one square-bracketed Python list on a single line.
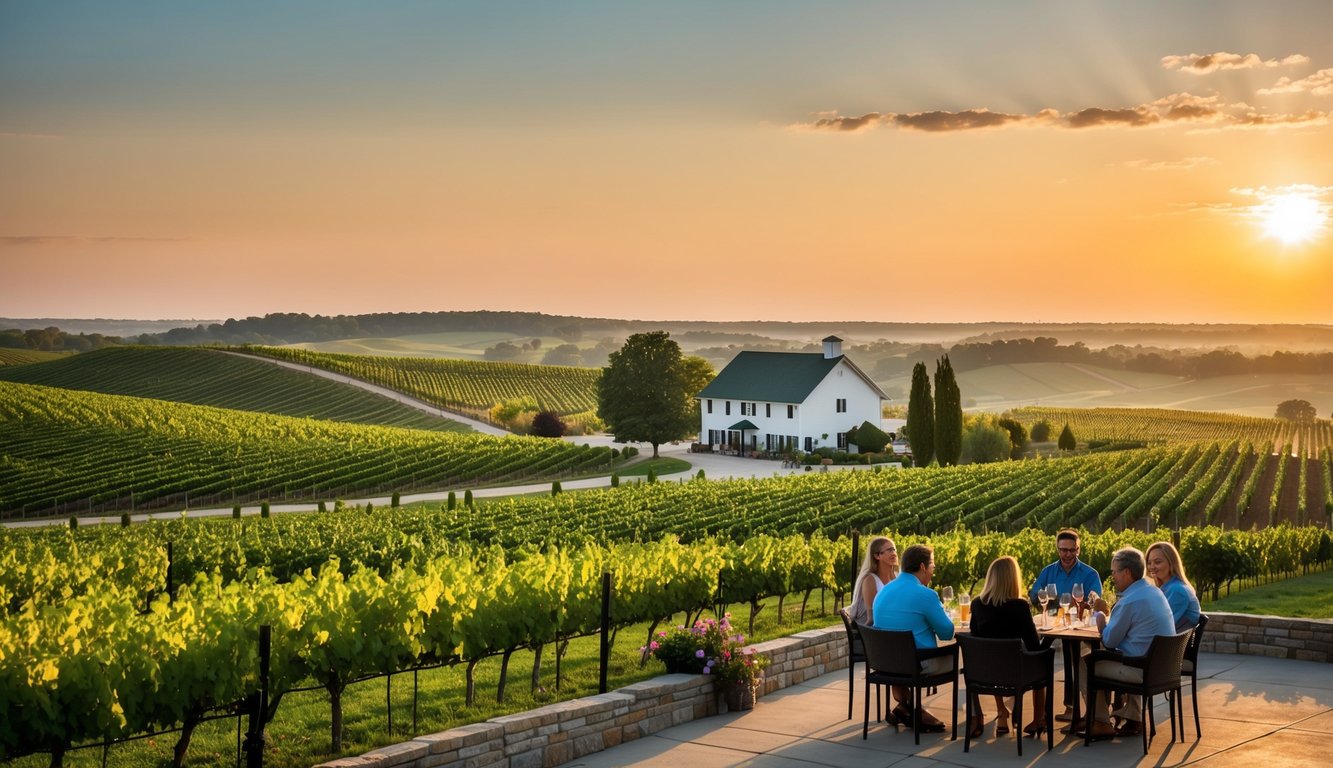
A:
[(908, 604), (1064, 574), (1141, 613)]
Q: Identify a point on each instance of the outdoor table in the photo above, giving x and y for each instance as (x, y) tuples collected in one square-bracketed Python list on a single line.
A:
[(1076, 634)]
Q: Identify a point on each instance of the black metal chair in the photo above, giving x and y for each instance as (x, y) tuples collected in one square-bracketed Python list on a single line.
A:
[(1005, 668), (856, 654), (892, 658), (1161, 674), (1190, 666)]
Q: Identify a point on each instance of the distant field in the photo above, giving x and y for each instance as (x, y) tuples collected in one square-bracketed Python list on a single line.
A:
[(461, 345), (25, 356), (71, 451), (1003, 387), (466, 385), (210, 377)]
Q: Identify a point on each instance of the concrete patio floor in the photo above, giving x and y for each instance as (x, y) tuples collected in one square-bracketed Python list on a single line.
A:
[(1256, 712)]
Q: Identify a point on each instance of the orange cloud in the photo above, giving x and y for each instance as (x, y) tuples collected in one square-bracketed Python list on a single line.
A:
[(1319, 84), (1207, 63)]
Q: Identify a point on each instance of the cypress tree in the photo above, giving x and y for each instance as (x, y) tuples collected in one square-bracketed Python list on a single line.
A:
[(236, 512), (467, 498), (124, 519), (394, 502), (1067, 441), (264, 511), (615, 480), (948, 415), (453, 501), (555, 488), (921, 417)]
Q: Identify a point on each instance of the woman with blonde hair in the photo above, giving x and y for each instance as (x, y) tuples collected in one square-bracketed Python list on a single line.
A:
[(879, 568), (1166, 570), (1001, 611)]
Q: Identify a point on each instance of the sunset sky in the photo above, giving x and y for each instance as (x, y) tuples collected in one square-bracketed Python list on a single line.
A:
[(892, 161)]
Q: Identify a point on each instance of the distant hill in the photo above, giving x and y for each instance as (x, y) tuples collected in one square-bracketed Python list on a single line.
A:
[(211, 377), (1002, 387), (106, 327)]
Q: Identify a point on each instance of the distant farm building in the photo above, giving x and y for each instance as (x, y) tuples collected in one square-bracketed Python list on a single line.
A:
[(777, 401)]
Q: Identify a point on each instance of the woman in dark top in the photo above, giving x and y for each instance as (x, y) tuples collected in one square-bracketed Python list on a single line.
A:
[(1001, 611)]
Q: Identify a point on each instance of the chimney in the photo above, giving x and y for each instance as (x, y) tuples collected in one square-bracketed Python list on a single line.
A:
[(832, 347)]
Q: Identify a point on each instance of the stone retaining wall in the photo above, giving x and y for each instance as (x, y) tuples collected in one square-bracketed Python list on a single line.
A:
[(1276, 637), (558, 733)]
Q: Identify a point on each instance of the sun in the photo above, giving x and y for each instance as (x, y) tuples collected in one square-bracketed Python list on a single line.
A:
[(1292, 217)]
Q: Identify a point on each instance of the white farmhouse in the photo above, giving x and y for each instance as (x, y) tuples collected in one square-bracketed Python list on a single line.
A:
[(774, 401)]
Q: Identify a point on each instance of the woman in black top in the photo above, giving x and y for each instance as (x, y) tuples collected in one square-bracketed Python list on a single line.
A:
[(1001, 611)]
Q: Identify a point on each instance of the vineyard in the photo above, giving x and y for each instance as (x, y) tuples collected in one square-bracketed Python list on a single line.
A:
[(211, 377), (1158, 426), (10, 356), (66, 451), (81, 660), (460, 385)]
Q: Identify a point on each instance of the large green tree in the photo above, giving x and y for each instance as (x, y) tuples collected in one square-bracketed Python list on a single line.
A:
[(921, 417), (646, 391), (1296, 410), (948, 415)]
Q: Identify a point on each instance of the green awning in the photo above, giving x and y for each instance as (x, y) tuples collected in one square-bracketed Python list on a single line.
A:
[(743, 425)]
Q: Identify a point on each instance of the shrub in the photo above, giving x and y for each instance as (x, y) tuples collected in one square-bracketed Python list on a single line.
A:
[(264, 511), (74, 522), (555, 488), (652, 476), (370, 508), (1067, 441), (467, 498), (708, 648), (453, 501), (323, 507), (1041, 432), (124, 519), (615, 480), (394, 502), (869, 438), (699, 475), (548, 424), (236, 512)]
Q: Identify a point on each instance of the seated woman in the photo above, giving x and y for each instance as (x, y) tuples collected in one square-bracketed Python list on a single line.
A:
[(1167, 571), (879, 568), (1001, 611)]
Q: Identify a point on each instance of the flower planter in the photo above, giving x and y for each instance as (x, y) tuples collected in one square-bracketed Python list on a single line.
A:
[(740, 696)]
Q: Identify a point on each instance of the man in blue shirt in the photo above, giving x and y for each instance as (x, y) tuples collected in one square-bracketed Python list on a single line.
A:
[(1141, 613), (908, 604), (1064, 574)]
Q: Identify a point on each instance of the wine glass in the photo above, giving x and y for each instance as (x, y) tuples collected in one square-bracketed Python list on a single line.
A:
[(946, 595), (1077, 592), (1052, 593), (1065, 601), (1044, 598)]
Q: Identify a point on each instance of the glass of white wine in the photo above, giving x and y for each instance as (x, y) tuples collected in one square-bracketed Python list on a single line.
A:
[(1044, 598), (1066, 600)]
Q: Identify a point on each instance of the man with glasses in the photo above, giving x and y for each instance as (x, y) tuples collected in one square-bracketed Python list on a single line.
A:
[(1064, 574), (1141, 613)]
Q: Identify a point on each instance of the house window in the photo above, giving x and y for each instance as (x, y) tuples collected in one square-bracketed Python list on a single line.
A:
[(710, 406), (842, 405), (768, 410), (791, 411), (728, 413), (809, 444), (842, 441)]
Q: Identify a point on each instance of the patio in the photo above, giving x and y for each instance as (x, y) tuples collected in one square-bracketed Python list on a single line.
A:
[(1256, 712)]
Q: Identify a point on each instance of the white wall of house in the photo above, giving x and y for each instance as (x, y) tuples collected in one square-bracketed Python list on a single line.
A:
[(818, 415)]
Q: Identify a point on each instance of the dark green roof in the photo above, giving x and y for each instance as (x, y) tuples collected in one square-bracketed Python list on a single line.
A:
[(743, 424), (775, 377)]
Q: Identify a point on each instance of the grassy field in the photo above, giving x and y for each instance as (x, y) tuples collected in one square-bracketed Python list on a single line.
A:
[(1307, 597), (209, 377)]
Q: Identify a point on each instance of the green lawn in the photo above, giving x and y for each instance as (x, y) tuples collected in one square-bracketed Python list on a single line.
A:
[(1305, 597), (659, 466)]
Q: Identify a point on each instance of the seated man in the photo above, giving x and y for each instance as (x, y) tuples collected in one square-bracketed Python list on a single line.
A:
[(1140, 614), (908, 604), (1064, 573)]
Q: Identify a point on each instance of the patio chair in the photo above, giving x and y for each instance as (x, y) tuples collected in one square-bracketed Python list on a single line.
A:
[(1190, 666), (1161, 674), (856, 654), (892, 658), (1003, 667)]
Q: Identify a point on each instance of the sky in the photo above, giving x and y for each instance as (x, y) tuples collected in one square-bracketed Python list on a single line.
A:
[(891, 161)]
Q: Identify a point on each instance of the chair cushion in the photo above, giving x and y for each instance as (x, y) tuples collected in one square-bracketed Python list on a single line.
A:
[(1186, 667)]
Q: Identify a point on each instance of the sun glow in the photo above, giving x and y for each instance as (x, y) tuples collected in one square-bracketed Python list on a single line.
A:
[(1292, 217)]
